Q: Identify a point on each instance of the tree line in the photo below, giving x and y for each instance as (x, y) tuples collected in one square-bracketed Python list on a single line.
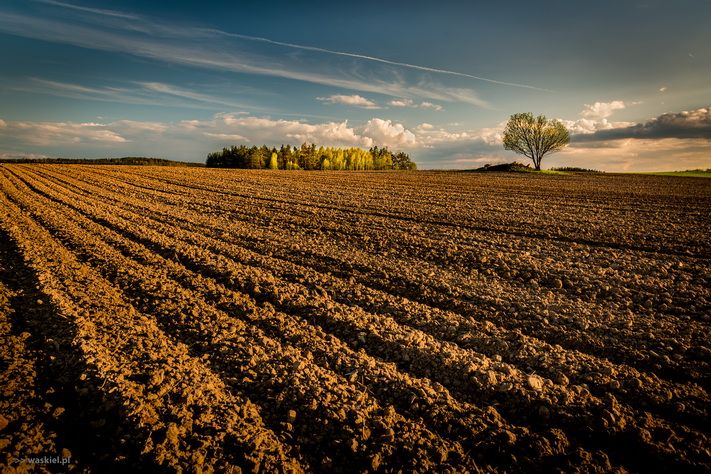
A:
[(309, 157), (128, 160)]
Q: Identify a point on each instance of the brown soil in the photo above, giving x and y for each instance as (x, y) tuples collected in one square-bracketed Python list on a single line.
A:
[(202, 320)]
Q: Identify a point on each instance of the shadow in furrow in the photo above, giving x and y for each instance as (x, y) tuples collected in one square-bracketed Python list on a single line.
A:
[(89, 423)]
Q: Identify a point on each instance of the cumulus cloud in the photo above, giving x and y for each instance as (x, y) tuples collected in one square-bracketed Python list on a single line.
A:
[(354, 100), (429, 137), (412, 104), (686, 124), (430, 105), (236, 127), (386, 132), (588, 126), (595, 118), (601, 110), (493, 136), (401, 103), (228, 127)]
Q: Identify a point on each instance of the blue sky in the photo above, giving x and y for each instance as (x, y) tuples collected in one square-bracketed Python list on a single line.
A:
[(180, 79)]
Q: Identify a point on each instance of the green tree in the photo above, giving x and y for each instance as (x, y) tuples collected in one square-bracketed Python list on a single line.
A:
[(401, 161), (534, 137), (307, 157), (256, 158)]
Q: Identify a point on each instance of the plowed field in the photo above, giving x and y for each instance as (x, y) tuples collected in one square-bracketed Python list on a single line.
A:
[(166, 319)]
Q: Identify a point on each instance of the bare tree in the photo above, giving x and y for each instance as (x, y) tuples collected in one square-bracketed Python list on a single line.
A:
[(534, 137)]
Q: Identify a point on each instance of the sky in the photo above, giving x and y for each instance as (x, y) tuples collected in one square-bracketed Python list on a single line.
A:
[(438, 80)]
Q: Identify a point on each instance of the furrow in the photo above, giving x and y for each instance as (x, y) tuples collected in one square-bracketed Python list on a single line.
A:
[(198, 256), (324, 405), (181, 410)]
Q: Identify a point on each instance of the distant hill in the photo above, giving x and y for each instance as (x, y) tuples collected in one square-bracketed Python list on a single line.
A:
[(517, 167), (514, 167), (127, 160)]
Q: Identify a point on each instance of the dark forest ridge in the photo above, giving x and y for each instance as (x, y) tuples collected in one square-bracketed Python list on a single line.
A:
[(127, 160)]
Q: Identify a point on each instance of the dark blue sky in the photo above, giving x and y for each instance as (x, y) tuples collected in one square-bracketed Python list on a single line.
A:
[(178, 79)]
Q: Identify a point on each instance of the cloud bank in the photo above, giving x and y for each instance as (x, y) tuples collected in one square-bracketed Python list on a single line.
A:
[(601, 110), (671, 141), (686, 124)]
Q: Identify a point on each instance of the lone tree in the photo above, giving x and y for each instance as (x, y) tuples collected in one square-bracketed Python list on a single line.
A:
[(534, 137)]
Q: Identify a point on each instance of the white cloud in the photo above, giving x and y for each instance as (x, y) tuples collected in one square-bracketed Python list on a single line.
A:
[(595, 117), (431, 137), (430, 105), (493, 136), (410, 103), (663, 89), (401, 103), (385, 132), (685, 124), (585, 126), (354, 100), (601, 110), (266, 130), (188, 125), (52, 133), (428, 136)]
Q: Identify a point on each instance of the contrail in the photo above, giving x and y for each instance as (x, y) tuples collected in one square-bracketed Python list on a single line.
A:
[(373, 58), (96, 11)]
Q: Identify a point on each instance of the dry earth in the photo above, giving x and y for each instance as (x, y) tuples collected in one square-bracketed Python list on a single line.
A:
[(166, 319)]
